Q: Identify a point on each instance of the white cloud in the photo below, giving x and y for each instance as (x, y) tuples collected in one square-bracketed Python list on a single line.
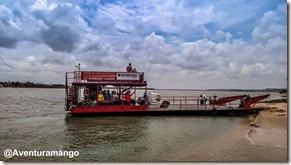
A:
[(55, 36), (40, 5), (222, 36), (271, 25), (207, 14), (252, 69)]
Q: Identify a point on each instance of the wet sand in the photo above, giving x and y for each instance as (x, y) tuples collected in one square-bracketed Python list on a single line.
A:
[(274, 109), (270, 126)]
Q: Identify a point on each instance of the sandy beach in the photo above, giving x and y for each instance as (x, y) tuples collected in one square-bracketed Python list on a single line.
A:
[(274, 114), (270, 126)]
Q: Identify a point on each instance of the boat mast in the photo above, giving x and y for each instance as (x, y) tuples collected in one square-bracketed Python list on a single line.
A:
[(78, 79), (79, 72)]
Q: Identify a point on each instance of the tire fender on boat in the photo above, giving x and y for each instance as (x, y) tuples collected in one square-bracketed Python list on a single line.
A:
[(165, 104), (231, 110), (214, 111)]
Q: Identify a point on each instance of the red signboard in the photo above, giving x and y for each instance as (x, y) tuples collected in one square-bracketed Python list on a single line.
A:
[(101, 76), (110, 76)]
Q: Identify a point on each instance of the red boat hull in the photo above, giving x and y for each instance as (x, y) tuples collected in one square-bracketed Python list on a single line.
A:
[(108, 109), (252, 101)]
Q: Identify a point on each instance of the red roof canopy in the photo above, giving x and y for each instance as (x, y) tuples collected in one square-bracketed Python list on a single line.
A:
[(111, 83)]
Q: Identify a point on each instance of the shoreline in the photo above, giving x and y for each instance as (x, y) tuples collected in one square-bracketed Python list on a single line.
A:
[(270, 126), (29, 88)]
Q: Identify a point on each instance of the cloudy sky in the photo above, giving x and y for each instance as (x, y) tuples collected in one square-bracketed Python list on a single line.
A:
[(178, 44)]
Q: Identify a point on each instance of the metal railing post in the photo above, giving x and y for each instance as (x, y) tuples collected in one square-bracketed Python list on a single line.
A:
[(198, 103), (122, 102)]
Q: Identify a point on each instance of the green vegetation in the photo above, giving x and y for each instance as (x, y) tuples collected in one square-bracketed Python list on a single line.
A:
[(17, 84)]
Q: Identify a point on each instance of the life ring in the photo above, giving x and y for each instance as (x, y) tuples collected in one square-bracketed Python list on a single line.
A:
[(231, 109), (214, 111)]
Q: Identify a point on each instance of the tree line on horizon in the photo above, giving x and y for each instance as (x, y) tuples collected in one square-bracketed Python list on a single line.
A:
[(28, 84)]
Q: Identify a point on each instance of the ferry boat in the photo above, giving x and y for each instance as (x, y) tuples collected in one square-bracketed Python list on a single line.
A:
[(116, 93)]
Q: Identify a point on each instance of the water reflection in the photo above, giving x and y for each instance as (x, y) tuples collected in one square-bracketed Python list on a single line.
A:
[(111, 129), (105, 138), (142, 138)]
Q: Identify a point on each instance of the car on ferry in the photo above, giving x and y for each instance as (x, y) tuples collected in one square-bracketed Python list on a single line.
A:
[(154, 99)]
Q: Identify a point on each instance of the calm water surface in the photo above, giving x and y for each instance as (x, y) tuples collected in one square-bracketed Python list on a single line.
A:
[(35, 119)]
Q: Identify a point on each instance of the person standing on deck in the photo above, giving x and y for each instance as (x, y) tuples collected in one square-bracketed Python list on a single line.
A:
[(108, 95), (87, 94), (247, 98), (210, 100), (112, 95), (100, 97), (204, 98), (128, 96), (214, 98), (201, 100), (244, 101), (145, 97), (129, 68)]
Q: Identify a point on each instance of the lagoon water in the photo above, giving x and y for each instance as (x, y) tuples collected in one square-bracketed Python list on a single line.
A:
[(34, 119)]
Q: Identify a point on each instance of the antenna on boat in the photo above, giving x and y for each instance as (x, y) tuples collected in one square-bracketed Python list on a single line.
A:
[(79, 71), (79, 67)]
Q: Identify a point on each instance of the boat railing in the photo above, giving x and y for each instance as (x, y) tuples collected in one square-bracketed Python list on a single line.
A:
[(192, 102), (70, 78)]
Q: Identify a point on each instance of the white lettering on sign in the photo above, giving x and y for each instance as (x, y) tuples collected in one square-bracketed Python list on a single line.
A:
[(128, 76)]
